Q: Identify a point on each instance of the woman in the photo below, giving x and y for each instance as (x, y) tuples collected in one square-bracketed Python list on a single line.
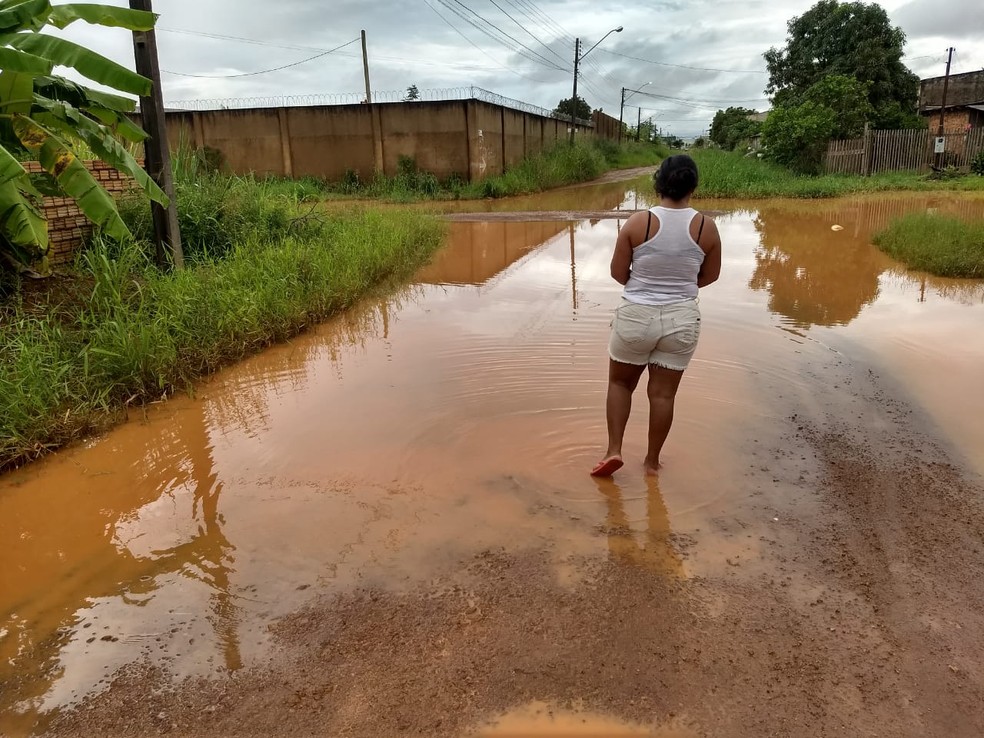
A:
[(662, 256)]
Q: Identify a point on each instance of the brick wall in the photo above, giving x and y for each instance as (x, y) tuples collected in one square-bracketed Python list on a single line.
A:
[(67, 226)]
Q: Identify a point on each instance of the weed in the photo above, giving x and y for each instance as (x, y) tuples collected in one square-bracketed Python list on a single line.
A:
[(725, 174), (939, 244)]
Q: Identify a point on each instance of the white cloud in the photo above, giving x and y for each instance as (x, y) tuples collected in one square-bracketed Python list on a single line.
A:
[(410, 44)]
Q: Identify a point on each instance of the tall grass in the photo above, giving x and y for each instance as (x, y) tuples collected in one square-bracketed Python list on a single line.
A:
[(938, 244), (726, 174), (560, 165), (262, 269)]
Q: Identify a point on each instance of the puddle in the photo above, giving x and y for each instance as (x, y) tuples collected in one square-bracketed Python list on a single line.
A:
[(459, 414), (541, 719)]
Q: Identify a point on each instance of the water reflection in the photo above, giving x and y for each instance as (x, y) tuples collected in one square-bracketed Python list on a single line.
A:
[(53, 597), (656, 553), (817, 276), (796, 263)]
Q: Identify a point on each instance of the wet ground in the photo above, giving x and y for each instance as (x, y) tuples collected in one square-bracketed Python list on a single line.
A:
[(386, 526)]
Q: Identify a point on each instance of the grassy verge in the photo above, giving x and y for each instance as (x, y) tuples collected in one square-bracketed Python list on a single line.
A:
[(262, 269), (725, 174), (556, 167), (937, 244)]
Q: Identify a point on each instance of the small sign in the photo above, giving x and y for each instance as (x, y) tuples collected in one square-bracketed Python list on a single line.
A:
[(940, 146)]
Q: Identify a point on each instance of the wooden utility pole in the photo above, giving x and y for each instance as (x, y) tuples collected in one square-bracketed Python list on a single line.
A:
[(157, 157), (939, 130), (638, 122), (365, 67), (577, 60), (621, 112)]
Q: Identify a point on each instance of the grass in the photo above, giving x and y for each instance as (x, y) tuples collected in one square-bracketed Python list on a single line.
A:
[(556, 167), (938, 244), (725, 174), (262, 268)]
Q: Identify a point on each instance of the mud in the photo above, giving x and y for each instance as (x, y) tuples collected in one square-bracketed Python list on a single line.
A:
[(386, 528)]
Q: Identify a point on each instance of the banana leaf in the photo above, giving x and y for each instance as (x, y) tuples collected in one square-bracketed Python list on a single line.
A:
[(20, 61), (71, 122), (57, 159), (10, 168), (59, 88), (22, 227), (28, 15), (121, 125), (16, 92), (88, 63), (102, 15)]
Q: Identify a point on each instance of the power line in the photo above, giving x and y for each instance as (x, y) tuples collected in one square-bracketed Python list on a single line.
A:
[(528, 32), (461, 33), (262, 71), (684, 66), (536, 57)]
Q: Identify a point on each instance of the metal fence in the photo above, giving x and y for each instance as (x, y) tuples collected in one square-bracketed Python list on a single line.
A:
[(895, 151), (379, 96)]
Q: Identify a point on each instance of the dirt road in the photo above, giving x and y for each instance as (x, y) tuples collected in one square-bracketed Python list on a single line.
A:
[(809, 562)]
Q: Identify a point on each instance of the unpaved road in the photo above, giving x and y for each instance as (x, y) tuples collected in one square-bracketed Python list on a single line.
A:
[(809, 563), (865, 617)]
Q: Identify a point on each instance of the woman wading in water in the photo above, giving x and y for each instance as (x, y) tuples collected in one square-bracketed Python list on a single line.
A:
[(662, 257)]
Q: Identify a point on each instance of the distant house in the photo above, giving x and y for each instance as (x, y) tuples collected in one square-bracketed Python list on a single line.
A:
[(964, 101), (755, 142)]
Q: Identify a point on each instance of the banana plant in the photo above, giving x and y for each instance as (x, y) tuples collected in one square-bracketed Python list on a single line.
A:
[(44, 117)]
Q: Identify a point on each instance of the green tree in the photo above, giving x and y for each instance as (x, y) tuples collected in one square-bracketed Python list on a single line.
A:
[(732, 126), (581, 110), (45, 117), (852, 39), (412, 94), (797, 135)]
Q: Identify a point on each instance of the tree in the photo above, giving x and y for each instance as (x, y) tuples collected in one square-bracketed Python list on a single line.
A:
[(851, 39), (45, 117), (412, 94), (797, 135), (732, 126), (581, 110)]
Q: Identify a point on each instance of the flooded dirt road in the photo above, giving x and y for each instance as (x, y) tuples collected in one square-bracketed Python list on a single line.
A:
[(386, 527)]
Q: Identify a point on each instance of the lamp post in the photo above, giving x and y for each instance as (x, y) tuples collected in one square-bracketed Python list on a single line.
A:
[(577, 60), (621, 110)]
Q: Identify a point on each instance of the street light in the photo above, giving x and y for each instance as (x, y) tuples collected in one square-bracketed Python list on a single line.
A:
[(577, 60), (621, 110)]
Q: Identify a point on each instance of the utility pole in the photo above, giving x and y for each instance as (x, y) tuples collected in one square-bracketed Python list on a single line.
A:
[(577, 59), (939, 149), (157, 157), (365, 67), (621, 112), (638, 122)]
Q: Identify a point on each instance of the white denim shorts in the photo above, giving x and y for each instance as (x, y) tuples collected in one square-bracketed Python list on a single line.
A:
[(664, 335)]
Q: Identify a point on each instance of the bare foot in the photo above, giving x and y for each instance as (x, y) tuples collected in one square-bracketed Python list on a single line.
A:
[(652, 470)]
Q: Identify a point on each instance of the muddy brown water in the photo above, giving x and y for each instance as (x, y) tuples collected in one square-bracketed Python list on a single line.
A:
[(458, 416)]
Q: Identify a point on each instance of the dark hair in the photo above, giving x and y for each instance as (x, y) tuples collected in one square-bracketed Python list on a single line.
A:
[(677, 177)]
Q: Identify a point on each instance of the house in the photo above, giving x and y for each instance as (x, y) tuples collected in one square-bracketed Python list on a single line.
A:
[(964, 101)]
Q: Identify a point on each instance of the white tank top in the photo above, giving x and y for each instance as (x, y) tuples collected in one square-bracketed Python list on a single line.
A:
[(665, 268)]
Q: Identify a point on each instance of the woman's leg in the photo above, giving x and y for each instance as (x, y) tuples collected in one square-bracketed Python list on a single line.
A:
[(622, 381), (662, 389)]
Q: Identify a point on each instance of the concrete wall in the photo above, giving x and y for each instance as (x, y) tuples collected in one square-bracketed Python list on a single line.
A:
[(470, 138), (963, 89)]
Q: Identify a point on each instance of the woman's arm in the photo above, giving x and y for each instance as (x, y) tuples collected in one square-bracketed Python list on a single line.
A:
[(710, 270), (622, 258)]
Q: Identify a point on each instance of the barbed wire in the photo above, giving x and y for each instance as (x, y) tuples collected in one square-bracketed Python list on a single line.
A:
[(352, 98)]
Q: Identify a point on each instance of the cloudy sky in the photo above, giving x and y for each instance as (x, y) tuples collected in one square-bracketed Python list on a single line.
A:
[(694, 56)]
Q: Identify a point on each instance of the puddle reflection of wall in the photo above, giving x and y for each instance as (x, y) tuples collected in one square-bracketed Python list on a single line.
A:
[(83, 557), (816, 276), (476, 252)]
